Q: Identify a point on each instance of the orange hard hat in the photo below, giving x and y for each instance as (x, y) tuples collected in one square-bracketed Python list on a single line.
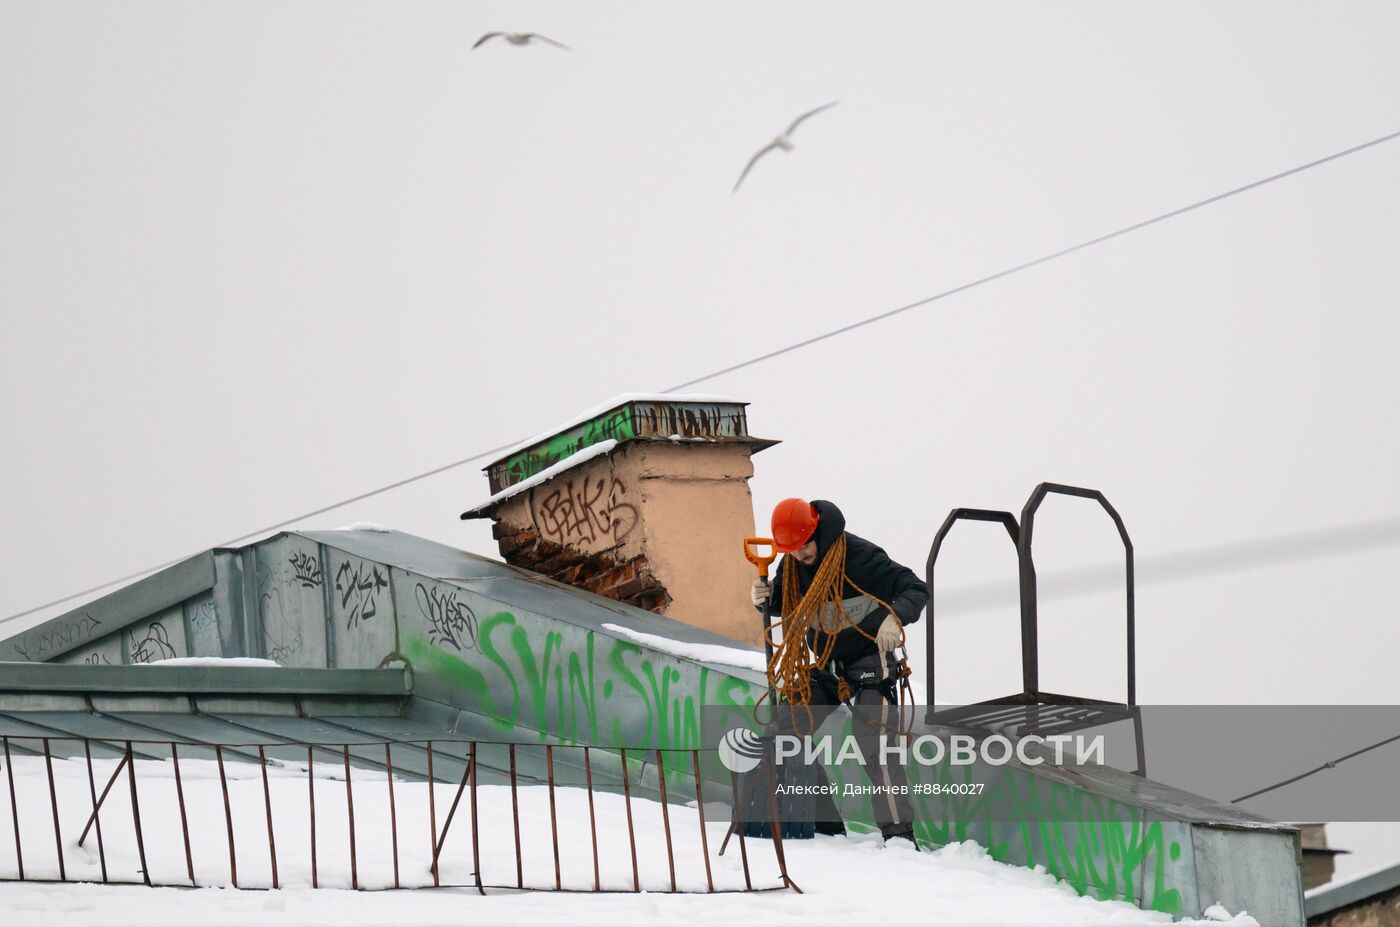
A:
[(794, 520)]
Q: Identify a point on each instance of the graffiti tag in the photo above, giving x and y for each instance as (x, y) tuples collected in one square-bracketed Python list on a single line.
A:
[(449, 621), (202, 617), (45, 640), (154, 646), (359, 592), (588, 511), (284, 639), (307, 570)]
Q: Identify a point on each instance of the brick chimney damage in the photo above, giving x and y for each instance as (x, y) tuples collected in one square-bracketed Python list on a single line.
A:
[(646, 501)]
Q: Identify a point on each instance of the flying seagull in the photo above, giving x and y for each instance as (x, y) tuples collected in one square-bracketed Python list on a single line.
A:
[(519, 38), (783, 141)]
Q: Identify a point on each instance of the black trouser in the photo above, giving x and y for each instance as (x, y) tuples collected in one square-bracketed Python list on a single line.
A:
[(873, 682)]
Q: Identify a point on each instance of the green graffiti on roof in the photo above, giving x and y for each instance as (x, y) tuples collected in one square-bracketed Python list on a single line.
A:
[(592, 688), (587, 688), (429, 659), (1100, 847)]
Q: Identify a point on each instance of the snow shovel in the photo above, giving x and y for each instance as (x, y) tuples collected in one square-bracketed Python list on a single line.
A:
[(761, 561), (783, 828)]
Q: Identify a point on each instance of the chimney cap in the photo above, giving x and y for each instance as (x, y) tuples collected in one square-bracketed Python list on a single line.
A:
[(631, 417)]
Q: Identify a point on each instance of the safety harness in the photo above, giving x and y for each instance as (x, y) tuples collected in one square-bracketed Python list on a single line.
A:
[(790, 670)]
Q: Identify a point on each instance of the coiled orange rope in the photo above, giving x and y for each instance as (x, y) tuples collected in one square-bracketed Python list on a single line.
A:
[(790, 671)]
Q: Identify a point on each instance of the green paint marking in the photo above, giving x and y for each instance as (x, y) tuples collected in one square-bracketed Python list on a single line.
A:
[(620, 650), (1100, 847), (536, 674), (581, 692), (656, 705), (488, 650), (428, 659), (616, 425)]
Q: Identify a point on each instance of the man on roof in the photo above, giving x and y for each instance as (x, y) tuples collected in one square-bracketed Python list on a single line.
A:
[(844, 604)]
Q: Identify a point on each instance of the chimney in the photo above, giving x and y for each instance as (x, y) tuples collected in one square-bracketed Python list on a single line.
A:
[(644, 500), (1319, 860)]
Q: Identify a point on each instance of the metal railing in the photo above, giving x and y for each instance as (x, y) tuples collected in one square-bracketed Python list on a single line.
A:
[(613, 788), (1033, 708)]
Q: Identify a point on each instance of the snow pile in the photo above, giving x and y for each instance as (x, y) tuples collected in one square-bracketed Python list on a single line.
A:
[(212, 661), (704, 653), (364, 526), (548, 473), (842, 877), (1354, 877)]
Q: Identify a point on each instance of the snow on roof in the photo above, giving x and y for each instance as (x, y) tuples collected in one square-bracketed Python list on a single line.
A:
[(1339, 893), (548, 473), (363, 526), (212, 661), (703, 653), (1391, 868), (608, 406), (957, 885)]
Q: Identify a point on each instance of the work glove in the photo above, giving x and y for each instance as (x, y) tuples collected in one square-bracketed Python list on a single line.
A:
[(890, 634), (760, 592)]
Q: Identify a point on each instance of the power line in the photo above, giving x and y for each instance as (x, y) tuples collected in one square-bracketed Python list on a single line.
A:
[(281, 524), (763, 357), (1040, 260), (1330, 764)]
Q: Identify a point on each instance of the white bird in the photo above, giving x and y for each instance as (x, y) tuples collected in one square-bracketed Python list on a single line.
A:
[(783, 141), (519, 38)]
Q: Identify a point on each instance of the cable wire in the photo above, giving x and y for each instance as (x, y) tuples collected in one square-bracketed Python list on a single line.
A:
[(1038, 261), (281, 524), (764, 357), (1330, 764)]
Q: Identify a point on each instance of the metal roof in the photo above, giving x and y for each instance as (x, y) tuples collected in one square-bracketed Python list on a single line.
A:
[(330, 712), (1327, 898), (519, 588), (491, 579), (358, 601), (186, 679)]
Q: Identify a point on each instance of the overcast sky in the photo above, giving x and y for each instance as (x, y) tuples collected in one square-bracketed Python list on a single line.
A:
[(259, 257)]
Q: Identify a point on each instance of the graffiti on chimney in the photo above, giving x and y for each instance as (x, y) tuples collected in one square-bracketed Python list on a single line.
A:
[(450, 622), (616, 425), (691, 421), (641, 418), (359, 592), (44, 640), (307, 570), (586, 511), (154, 646)]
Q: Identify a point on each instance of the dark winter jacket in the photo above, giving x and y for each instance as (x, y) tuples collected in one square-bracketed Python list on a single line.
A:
[(870, 568)]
